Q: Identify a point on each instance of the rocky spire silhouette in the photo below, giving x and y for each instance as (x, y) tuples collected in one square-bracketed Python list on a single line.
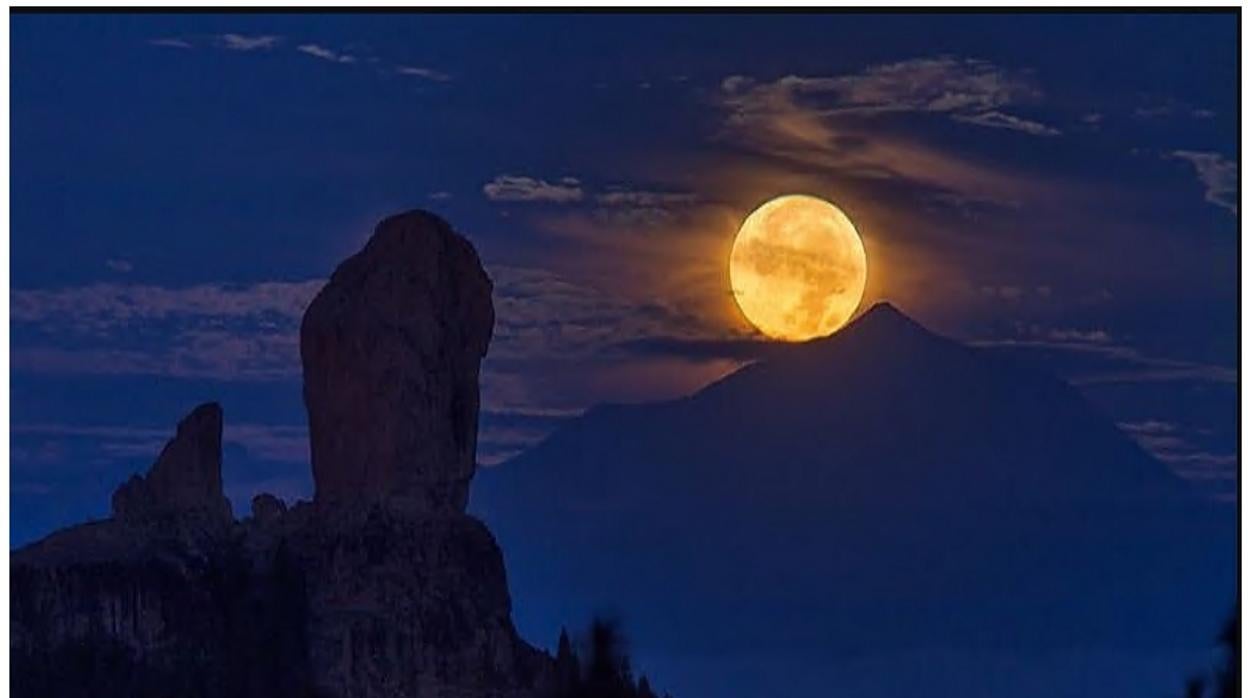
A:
[(391, 351), (381, 587), (183, 486)]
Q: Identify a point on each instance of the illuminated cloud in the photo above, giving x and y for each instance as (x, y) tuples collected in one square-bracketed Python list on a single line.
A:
[(629, 197), (265, 42), (829, 123), (1220, 177), (426, 73), (1059, 334), (213, 331), (325, 54), (115, 306), (541, 314), (521, 188), (620, 206), (242, 42), (1168, 443), (959, 87), (170, 42), (996, 119), (251, 332)]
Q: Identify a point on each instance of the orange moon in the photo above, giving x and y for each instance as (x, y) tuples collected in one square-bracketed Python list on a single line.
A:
[(798, 268)]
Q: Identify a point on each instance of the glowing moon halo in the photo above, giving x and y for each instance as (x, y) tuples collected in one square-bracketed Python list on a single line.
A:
[(798, 268)]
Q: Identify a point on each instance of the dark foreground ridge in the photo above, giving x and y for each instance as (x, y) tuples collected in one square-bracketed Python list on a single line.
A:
[(383, 586)]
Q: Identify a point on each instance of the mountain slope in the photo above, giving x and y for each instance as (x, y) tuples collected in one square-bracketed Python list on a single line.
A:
[(881, 489)]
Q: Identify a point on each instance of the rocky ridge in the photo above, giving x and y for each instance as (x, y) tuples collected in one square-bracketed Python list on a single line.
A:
[(381, 586)]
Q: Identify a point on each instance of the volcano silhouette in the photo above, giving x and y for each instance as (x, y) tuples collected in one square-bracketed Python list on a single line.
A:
[(881, 489)]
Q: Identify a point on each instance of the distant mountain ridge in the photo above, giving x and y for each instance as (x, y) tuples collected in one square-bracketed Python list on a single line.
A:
[(884, 487), (875, 379)]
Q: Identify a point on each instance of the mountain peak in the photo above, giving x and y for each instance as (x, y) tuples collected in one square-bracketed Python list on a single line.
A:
[(885, 311), (883, 322)]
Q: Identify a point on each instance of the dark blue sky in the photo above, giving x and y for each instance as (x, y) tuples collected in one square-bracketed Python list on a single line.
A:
[(1062, 186)]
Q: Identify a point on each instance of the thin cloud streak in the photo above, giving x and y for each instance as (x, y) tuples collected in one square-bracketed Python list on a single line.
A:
[(426, 73), (520, 188), (242, 42), (171, 42), (996, 119), (325, 54), (245, 43), (1133, 366)]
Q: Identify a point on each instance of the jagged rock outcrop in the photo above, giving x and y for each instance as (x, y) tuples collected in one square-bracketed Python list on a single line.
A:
[(409, 605), (184, 485), (391, 348), (382, 587)]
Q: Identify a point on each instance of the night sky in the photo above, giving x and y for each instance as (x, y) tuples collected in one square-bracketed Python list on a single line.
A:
[(1063, 187)]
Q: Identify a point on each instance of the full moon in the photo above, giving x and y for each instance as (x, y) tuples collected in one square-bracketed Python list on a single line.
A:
[(798, 268)]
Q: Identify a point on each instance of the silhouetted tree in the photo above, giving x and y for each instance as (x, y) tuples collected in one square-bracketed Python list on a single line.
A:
[(1225, 682), (606, 671), (1228, 675), (567, 667)]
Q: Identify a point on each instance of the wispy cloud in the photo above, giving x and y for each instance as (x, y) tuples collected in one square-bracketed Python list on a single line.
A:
[(223, 356), (107, 305), (1219, 175), (1060, 334), (619, 196), (243, 42), (325, 54), (826, 122), (542, 315), (621, 206), (1108, 361), (996, 119), (1169, 444), (969, 90), (426, 73), (218, 331), (121, 266), (251, 332), (1166, 108), (616, 206), (530, 189), (267, 42)]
